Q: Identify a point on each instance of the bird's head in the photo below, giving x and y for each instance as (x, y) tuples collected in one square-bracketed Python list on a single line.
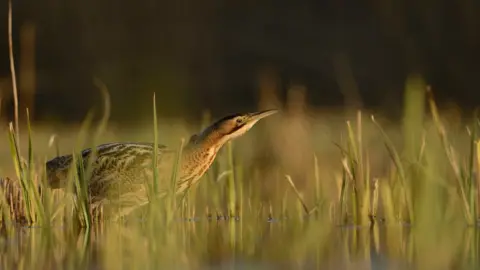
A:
[(229, 127)]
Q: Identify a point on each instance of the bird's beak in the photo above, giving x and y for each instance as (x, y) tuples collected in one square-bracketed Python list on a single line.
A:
[(254, 117)]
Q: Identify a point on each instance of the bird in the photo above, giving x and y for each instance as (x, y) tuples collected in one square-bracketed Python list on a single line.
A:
[(119, 170)]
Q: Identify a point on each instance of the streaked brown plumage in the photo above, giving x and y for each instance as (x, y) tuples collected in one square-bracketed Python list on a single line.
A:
[(13, 196), (120, 170)]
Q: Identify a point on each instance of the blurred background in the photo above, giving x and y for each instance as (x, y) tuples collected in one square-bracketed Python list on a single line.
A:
[(317, 60), (229, 56)]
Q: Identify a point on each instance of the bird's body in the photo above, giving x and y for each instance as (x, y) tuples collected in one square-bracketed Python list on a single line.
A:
[(121, 170)]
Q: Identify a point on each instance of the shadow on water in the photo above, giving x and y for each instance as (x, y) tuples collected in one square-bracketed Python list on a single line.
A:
[(218, 243)]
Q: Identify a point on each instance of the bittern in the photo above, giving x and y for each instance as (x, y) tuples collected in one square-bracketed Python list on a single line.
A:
[(119, 170)]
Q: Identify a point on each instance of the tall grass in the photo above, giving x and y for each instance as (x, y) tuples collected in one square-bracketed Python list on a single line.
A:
[(405, 192)]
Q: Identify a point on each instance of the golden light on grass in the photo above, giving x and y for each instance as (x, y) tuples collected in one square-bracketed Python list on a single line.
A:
[(383, 195)]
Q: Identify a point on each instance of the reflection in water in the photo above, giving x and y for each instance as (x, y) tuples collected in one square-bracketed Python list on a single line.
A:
[(255, 244)]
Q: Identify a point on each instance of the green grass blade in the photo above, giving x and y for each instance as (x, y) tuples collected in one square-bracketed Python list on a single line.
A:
[(39, 210), (79, 183), (19, 170), (174, 180)]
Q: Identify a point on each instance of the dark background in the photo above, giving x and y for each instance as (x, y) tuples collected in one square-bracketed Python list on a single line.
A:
[(200, 55)]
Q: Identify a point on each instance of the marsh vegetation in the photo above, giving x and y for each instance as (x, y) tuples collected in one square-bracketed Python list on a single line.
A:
[(304, 190)]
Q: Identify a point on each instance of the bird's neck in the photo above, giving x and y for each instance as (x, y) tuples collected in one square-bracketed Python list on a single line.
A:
[(209, 139), (203, 147), (197, 157)]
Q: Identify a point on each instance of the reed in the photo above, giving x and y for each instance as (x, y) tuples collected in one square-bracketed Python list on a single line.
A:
[(396, 192)]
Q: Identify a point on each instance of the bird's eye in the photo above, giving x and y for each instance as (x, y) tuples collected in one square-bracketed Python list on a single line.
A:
[(239, 121)]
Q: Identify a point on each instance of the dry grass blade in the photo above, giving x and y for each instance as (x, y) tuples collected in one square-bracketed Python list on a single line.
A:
[(346, 167), (12, 68), (223, 175), (231, 184), (12, 204), (374, 207), (477, 154), (318, 188), (471, 169), (6, 211), (399, 166), (297, 193), (155, 148), (449, 151)]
